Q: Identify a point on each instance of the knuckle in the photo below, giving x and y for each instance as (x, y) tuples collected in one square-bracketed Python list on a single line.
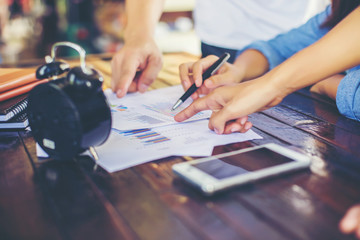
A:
[(159, 61), (148, 80), (230, 111), (183, 66)]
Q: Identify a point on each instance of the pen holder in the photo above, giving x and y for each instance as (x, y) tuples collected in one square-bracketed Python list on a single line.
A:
[(69, 114)]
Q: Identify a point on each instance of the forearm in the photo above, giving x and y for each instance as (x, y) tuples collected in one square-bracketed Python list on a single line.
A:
[(252, 64), (142, 17), (336, 52)]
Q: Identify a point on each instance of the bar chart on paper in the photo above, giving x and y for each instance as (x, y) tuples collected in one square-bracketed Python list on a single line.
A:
[(136, 147), (172, 136), (142, 145), (146, 136), (120, 108), (146, 144)]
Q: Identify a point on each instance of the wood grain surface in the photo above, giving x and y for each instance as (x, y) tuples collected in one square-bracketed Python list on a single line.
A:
[(48, 199)]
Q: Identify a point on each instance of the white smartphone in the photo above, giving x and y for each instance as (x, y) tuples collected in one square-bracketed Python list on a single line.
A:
[(220, 172)]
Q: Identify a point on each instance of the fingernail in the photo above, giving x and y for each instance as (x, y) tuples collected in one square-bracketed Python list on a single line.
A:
[(143, 87), (118, 93), (243, 121), (216, 131), (234, 129), (247, 126), (198, 83)]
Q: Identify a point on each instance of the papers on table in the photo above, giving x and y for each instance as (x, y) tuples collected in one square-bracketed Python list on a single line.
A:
[(130, 148), (148, 110), (144, 130)]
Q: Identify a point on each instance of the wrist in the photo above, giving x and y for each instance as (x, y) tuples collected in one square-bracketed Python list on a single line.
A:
[(287, 84), (278, 84), (131, 34), (240, 76)]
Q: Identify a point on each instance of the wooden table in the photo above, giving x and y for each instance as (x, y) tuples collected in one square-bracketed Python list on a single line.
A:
[(68, 200)]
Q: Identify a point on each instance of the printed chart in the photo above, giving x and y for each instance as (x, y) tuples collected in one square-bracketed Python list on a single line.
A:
[(145, 136), (124, 149), (148, 110)]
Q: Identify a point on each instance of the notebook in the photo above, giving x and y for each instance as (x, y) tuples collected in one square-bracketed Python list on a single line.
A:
[(19, 122), (12, 107), (19, 90), (15, 77)]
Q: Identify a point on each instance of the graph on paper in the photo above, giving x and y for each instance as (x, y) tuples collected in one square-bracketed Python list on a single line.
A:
[(146, 136), (164, 108), (148, 110), (124, 149)]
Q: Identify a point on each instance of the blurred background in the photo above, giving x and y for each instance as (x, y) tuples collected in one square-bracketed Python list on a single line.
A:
[(28, 28)]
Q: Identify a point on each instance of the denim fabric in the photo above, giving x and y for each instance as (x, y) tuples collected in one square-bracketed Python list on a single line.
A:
[(348, 94)]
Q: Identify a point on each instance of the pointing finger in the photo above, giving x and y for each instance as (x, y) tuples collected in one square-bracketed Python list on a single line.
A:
[(122, 78), (197, 106)]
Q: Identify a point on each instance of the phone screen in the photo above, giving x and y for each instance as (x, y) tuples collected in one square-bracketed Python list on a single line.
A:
[(242, 163)]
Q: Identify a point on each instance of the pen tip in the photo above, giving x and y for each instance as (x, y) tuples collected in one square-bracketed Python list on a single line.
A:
[(176, 105)]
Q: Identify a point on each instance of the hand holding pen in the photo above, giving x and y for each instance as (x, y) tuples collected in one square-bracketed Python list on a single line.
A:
[(218, 100), (207, 74)]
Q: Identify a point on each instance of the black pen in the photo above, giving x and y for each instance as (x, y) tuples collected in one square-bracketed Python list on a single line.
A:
[(208, 73)]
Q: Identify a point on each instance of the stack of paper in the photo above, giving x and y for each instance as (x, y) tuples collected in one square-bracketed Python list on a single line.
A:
[(144, 129)]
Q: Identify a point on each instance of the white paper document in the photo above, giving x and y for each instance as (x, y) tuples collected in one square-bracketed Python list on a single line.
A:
[(143, 129), (148, 110), (129, 148)]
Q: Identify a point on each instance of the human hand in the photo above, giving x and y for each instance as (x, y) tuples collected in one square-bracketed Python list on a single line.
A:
[(231, 104), (350, 223), (135, 66), (191, 72)]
